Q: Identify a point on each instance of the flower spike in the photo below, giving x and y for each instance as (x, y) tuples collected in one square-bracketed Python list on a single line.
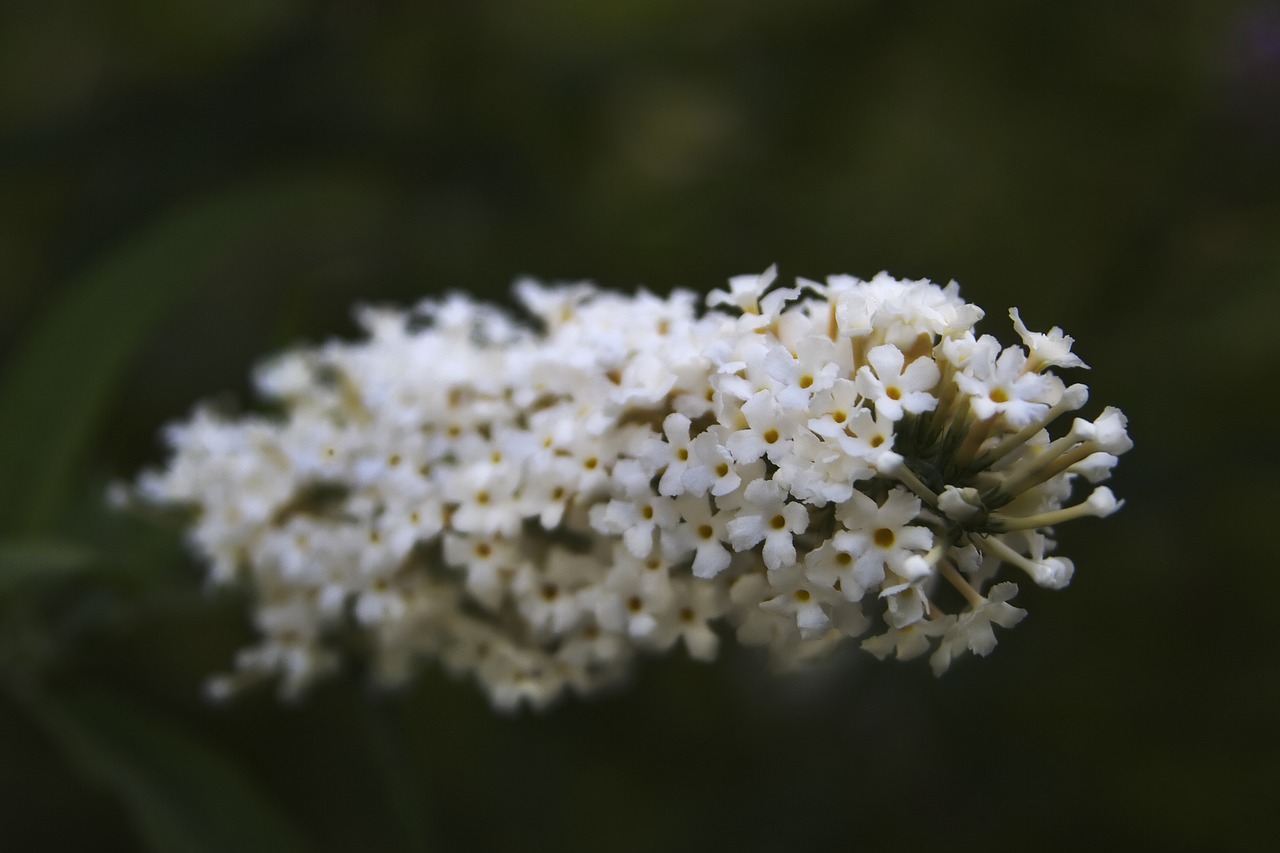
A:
[(537, 508)]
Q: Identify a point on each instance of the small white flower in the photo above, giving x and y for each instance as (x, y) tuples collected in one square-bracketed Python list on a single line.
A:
[(960, 504), (817, 473), (799, 599), (882, 536), (713, 469), (703, 530), (1047, 350), (768, 516), (693, 609), (896, 391), (768, 431), (972, 629), (865, 438), (1102, 502), (909, 641), (1009, 388), (489, 564), (755, 625), (637, 520), (830, 410), (745, 291), (811, 370), (628, 602), (550, 598), (833, 564), (1109, 432), (671, 457)]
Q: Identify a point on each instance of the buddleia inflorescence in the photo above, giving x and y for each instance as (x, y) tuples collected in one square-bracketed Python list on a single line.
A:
[(535, 504)]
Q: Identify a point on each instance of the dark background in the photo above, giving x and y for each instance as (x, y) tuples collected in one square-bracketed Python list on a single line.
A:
[(186, 186)]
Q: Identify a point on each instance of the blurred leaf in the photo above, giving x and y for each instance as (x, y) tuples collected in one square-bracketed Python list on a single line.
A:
[(36, 560), (180, 792), (54, 394)]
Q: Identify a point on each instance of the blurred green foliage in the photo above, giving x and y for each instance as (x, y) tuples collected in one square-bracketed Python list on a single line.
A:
[(187, 186)]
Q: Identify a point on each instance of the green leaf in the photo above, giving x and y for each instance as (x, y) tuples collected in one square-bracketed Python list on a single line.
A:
[(54, 394), (41, 560), (183, 795)]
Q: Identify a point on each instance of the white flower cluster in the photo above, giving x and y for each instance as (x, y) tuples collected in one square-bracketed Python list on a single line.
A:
[(535, 507)]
